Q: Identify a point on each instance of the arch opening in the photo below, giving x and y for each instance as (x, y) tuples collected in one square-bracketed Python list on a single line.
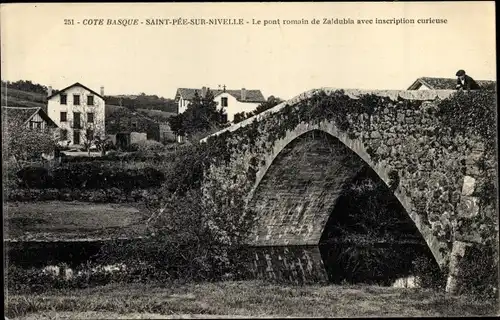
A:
[(369, 238), (299, 199)]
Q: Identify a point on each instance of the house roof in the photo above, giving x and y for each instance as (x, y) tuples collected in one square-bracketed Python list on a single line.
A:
[(251, 95), (24, 114), (447, 83), (74, 85)]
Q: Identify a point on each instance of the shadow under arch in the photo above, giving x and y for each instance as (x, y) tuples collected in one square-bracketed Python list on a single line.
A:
[(297, 189)]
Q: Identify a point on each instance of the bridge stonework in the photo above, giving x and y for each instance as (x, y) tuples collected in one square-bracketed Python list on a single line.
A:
[(291, 163)]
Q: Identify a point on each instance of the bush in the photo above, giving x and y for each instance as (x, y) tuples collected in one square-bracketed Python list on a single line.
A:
[(191, 239), (147, 146), (34, 177), (478, 271), (90, 175), (37, 280), (428, 274), (186, 170)]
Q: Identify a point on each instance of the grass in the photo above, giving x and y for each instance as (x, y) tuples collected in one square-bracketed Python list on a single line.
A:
[(248, 299), (71, 220)]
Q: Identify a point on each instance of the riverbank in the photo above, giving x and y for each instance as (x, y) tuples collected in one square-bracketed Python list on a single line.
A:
[(240, 299)]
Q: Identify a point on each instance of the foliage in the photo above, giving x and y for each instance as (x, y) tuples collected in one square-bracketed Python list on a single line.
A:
[(393, 180), (176, 124), (143, 101), (471, 112), (201, 115), (91, 175), (103, 144), (240, 116), (147, 146), (34, 177), (191, 240), (428, 273), (271, 102), (36, 280), (26, 85), (186, 169), (23, 143), (320, 107), (479, 276)]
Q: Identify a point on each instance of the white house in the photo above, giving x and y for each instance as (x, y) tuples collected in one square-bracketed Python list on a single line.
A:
[(233, 101), (79, 112)]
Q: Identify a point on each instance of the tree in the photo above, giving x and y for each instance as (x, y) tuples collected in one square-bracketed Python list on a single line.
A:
[(22, 143), (240, 116), (201, 116), (92, 133), (271, 102)]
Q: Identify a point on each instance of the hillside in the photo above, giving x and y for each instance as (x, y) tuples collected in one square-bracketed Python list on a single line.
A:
[(27, 94), (143, 101), (19, 98)]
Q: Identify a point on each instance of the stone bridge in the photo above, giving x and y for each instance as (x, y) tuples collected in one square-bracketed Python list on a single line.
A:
[(292, 162)]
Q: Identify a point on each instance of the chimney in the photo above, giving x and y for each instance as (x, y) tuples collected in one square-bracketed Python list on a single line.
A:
[(243, 94), (203, 92), (49, 91), (102, 91)]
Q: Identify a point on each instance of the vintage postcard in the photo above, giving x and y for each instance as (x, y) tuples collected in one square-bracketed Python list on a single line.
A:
[(249, 160)]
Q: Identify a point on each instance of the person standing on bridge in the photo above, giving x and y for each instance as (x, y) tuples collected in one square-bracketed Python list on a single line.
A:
[(465, 82)]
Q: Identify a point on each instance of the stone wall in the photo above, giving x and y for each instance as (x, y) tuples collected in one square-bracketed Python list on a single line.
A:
[(432, 169), (295, 264)]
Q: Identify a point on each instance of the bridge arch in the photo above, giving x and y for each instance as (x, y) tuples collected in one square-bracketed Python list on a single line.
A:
[(410, 137), (345, 159)]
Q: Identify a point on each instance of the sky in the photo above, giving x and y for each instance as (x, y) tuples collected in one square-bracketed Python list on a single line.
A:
[(280, 60)]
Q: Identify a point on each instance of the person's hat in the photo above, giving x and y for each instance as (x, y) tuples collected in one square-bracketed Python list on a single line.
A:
[(460, 73)]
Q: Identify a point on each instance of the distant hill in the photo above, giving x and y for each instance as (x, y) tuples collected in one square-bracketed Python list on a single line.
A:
[(24, 93), (143, 101), (114, 112), (19, 98)]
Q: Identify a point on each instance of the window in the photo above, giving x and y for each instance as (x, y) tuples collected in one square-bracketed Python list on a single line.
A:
[(64, 134), (90, 100), (76, 120), (223, 102), (63, 99), (89, 135), (90, 117), (35, 124), (76, 99), (64, 116)]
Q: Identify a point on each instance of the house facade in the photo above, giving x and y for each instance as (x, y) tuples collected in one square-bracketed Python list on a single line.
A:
[(432, 83), (232, 101), (79, 112)]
